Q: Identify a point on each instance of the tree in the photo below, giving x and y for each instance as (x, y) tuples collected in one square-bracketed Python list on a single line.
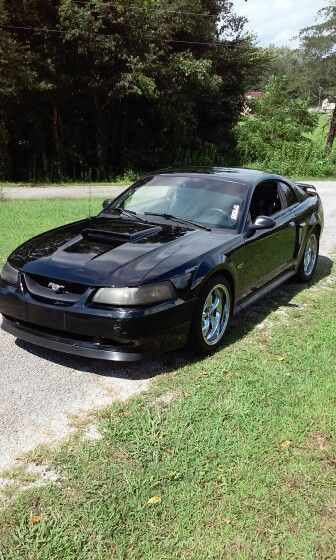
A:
[(280, 62), (14, 76), (318, 42), (97, 86), (275, 121)]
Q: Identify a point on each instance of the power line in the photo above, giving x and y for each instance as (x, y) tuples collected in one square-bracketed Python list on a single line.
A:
[(27, 28), (177, 41), (232, 44)]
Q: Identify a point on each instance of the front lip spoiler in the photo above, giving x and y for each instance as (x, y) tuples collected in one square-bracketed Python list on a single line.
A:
[(68, 346)]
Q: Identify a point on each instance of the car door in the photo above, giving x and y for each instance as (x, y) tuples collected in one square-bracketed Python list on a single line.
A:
[(268, 252), (296, 213)]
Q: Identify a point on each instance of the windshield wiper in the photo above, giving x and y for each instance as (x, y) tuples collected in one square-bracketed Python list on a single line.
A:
[(130, 213), (177, 219)]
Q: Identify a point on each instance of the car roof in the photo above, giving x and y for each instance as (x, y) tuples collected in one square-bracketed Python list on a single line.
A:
[(239, 174)]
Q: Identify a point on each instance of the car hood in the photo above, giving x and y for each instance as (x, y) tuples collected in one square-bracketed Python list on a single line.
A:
[(103, 251)]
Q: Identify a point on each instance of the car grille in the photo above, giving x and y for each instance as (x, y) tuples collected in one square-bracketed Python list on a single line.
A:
[(52, 290)]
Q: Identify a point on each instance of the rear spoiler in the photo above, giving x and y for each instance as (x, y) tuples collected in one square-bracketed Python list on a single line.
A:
[(308, 189)]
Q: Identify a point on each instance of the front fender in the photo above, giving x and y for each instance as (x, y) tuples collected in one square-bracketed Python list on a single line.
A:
[(230, 265)]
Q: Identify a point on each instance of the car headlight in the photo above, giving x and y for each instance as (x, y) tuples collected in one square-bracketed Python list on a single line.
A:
[(143, 295), (10, 274)]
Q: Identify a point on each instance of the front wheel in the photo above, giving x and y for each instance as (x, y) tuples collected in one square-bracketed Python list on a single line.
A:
[(211, 317), (309, 259)]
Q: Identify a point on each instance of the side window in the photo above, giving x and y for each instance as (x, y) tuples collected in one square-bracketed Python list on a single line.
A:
[(290, 194), (265, 200)]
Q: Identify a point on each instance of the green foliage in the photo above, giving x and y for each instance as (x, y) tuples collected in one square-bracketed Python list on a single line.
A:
[(120, 84), (128, 176), (320, 39), (278, 135), (318, 42), (310, 69), (208, 154), (274, 121), (292, 64), (297, 160)]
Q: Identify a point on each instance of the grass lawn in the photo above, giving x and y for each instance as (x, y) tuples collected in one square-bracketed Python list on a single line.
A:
[(229, 457), (319, 135)]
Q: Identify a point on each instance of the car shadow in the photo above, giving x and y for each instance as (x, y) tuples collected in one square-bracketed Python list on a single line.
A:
[(241, 325)]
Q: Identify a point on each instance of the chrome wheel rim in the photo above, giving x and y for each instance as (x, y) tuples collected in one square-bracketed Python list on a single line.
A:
[(215, 315), (310, 255)]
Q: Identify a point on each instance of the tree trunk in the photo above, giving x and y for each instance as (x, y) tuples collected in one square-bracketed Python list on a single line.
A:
[(4, 154), (41, 168), (59, 164), (332, 132), (101, 145), (55, 120)]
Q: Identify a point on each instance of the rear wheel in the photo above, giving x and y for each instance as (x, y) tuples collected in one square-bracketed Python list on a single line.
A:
[(211, 317), (309, 258)]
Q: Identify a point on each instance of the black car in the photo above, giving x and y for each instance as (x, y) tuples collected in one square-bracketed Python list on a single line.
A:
[(165, 264)]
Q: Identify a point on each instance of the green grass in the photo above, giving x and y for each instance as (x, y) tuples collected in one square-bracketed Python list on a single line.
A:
[(243, 455), (21, 219), (319, 135)]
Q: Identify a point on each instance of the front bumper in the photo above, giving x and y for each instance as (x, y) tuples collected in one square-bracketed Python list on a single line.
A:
[(84, 330)]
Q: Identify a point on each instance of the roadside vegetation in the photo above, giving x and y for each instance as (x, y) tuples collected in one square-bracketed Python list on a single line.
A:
[(132, 86), (126, 85), (280, 134), (125, 178), (232, 456)]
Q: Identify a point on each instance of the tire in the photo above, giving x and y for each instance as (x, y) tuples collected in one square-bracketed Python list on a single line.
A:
[(205, 337), (309, 258)]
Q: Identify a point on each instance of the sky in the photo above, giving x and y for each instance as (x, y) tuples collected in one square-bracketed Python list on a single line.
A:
[(278, 21)]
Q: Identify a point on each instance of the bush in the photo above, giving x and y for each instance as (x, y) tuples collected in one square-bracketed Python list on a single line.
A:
[(297, 160), (128, 176), (207, 155), (276, 134)]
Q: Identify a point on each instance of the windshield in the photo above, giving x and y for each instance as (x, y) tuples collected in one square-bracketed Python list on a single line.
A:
[(210, 201)]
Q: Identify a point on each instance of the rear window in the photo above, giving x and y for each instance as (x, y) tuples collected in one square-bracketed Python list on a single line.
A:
[(290, 194)]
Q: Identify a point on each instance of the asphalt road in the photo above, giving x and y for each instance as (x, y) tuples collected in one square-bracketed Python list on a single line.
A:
[(327, 191), (73, 191), (43, 392)]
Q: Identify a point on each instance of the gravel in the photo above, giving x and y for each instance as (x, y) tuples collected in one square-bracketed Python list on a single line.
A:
[(41, 392)]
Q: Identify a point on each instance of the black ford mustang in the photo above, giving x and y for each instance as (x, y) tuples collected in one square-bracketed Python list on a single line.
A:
[(164, 264)]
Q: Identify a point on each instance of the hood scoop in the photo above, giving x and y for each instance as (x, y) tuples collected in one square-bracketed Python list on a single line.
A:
[(108, 236)]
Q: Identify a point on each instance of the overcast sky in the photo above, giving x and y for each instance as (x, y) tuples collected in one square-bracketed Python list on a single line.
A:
[(278, 21)]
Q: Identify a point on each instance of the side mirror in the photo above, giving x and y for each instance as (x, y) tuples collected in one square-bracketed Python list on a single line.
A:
[(263, 222), (107, 203)]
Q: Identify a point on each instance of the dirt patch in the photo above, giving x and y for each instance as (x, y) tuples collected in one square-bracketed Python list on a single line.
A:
[(329, 464), (317, 441), (169, 397), (26, 477)]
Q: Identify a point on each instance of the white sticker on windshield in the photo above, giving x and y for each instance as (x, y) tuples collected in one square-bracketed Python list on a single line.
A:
[(235, 211)]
